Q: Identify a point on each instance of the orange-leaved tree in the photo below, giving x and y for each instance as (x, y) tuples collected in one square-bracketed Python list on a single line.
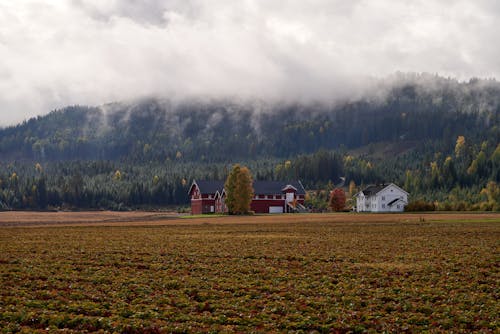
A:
[(239, 190), (337, 199)]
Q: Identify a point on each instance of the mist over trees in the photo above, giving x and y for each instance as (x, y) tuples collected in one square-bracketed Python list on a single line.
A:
[(436, 137), (420, 108)]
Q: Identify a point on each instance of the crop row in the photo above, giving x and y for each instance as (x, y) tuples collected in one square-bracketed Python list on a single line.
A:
[(321, 277)]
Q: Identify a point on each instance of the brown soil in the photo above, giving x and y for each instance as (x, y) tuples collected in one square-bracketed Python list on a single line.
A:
[(141, 218)]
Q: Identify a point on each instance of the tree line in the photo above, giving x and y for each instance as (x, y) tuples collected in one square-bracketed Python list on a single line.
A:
[(461, 176)]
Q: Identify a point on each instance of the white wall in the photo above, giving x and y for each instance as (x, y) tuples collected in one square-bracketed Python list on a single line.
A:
[(389, 194)]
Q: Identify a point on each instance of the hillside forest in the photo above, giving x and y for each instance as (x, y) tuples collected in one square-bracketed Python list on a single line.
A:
[(436, 137)]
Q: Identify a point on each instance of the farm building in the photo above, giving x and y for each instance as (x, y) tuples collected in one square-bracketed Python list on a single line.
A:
[(381, 198), (269, 197)]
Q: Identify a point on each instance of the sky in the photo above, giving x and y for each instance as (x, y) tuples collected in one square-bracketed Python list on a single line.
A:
[(56, 53)]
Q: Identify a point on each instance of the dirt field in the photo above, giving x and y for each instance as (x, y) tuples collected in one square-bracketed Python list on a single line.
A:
[(137, 218), (150, 272)]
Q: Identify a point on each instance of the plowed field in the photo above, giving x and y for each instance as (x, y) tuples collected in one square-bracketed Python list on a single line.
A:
[(156, 272)]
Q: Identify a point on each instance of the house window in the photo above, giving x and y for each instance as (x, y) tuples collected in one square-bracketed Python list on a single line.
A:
[(383, 206), (383, 198), (398, 206)]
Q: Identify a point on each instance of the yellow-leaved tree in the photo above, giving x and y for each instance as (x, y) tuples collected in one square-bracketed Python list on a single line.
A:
[(239, 190)]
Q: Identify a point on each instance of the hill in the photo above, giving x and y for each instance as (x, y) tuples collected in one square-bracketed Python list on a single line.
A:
[(418, 108), (438, 137)]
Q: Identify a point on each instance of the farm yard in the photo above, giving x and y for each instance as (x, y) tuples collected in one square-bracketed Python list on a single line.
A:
[(156, 272)]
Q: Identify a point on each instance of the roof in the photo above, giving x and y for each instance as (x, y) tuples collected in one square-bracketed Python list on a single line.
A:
[(208, 187), (375, 189), (276, 187), (372, 190), (394, 201), (260, 187)]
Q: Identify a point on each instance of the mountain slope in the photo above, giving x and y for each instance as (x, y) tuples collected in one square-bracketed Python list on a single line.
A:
[(415, 108)]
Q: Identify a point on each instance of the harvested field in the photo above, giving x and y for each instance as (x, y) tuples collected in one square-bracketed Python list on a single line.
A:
[(27, 218), (155, 272), (139, 218)]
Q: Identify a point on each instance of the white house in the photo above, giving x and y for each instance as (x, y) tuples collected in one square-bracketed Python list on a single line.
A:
[(381, 198)]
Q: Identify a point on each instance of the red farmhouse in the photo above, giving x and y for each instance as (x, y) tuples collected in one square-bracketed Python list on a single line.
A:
[(269, 197)]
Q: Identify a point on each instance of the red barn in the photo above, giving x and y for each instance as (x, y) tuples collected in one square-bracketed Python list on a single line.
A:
[(202, 195), (269, 197)]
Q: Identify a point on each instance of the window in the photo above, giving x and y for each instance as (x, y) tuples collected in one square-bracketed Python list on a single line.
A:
[(398, 206), (383, 198), (383, 206)]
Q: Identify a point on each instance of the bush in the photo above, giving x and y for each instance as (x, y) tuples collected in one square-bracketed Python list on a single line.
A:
[(420, 206)]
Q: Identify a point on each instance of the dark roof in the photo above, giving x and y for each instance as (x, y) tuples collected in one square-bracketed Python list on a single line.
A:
[(209, 187), (276, 187), (394, 201), (372, 190), (260, 187)]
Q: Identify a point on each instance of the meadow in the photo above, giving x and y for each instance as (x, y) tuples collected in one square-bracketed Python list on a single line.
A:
[(155, 273)]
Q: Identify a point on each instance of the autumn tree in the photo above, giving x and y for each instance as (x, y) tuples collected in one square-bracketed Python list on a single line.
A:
[(337, 199), (478, 167), (460, 147), (239, 190), (492, 192), (117, 176), (462, 153), (352, 188)]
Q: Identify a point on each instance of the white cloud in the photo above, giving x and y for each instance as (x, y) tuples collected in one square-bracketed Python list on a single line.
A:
[(55, 53)]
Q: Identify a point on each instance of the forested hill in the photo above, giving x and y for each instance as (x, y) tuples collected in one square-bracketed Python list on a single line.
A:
[(418, 108)]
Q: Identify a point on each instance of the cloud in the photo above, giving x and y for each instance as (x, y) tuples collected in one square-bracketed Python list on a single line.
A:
[(62, 52)]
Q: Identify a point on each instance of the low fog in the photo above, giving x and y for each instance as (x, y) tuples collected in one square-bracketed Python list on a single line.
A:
[(90, 52)]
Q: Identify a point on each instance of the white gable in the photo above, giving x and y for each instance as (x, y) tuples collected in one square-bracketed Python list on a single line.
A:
[(391, 189)]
